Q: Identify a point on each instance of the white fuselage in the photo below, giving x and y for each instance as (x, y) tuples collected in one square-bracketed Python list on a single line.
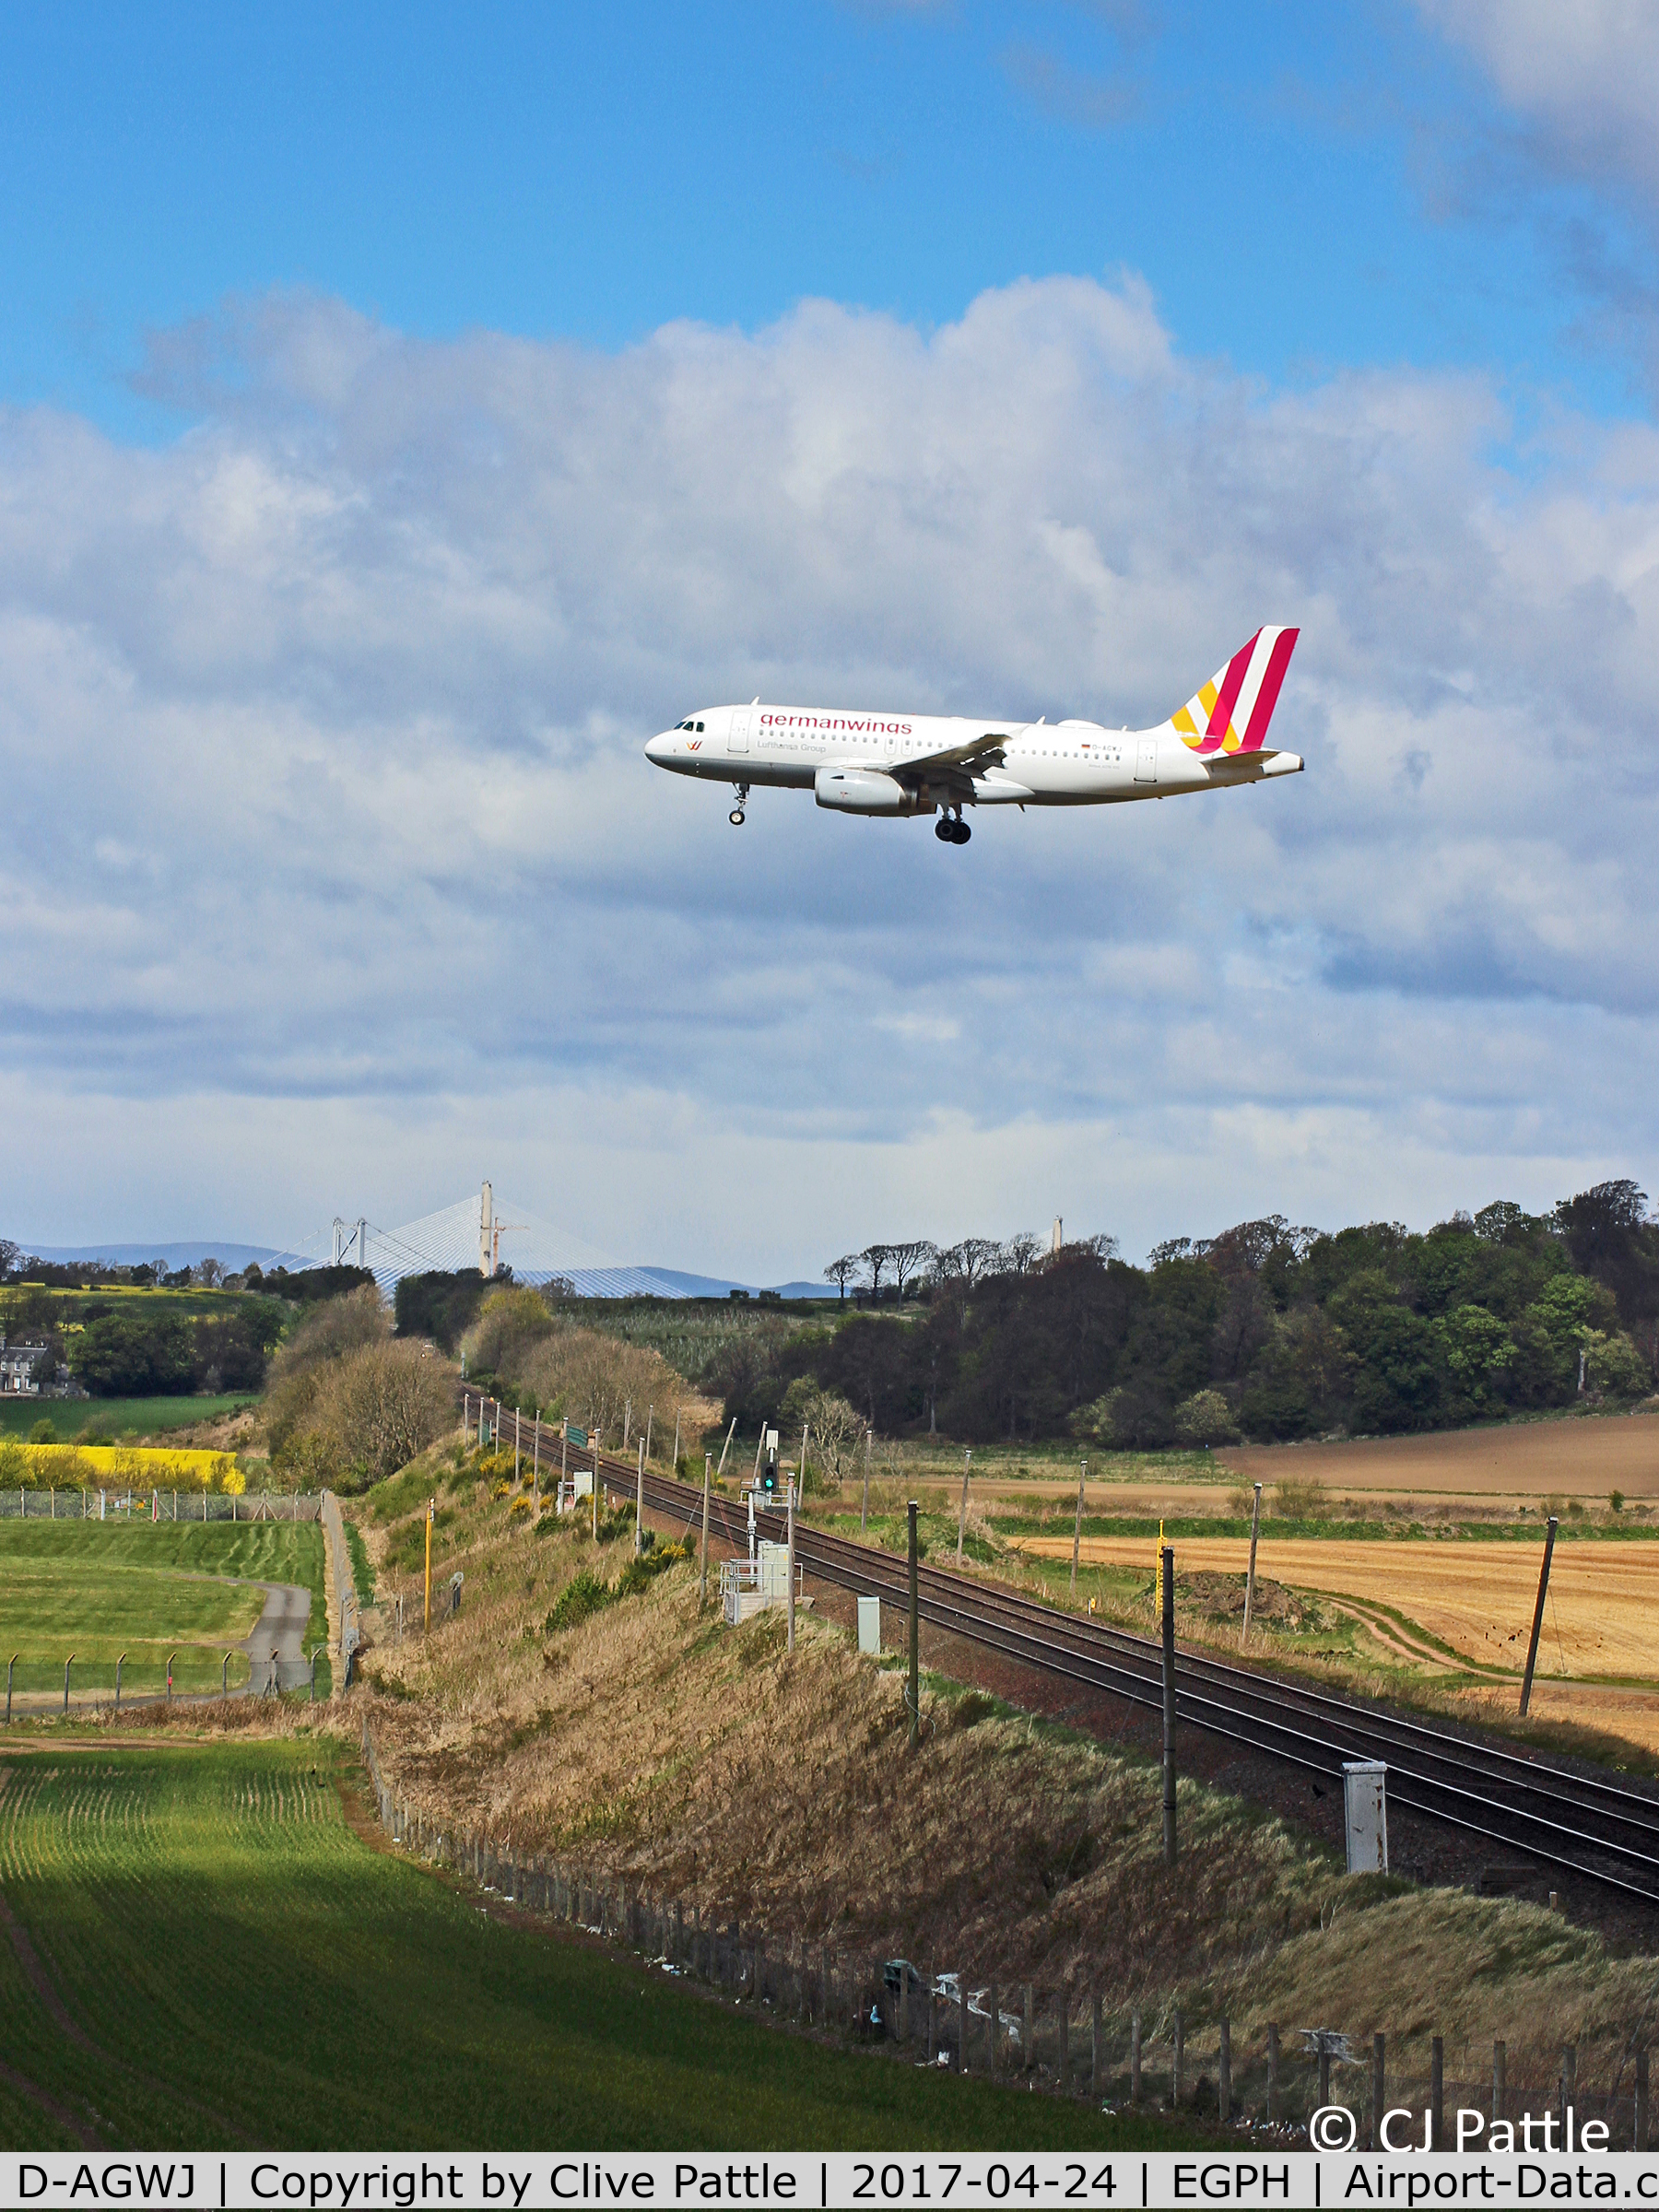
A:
[(1042, 764)]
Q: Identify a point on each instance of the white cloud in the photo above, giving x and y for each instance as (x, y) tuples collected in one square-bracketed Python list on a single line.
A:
[(332, 875), (1586, 73)]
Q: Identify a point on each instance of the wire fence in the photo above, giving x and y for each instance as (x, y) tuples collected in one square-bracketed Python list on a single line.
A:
[(1075, 2041), (141, 1505)]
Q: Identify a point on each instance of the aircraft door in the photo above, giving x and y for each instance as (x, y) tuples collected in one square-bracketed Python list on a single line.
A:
[(738, 740), (1146, 761)]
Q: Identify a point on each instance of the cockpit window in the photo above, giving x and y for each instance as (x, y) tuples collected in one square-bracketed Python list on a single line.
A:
[(699, 725)]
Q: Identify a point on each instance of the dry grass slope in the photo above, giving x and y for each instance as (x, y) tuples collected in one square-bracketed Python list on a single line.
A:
[(653, 1743)]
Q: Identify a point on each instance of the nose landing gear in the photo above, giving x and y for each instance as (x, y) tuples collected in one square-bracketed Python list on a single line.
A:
[(951, 829), (735, 817)]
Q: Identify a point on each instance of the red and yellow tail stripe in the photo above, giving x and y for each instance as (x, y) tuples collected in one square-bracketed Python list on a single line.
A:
[(1231, 713)]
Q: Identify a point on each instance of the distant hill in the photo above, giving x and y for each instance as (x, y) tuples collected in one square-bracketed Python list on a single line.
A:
[(590, 1282)]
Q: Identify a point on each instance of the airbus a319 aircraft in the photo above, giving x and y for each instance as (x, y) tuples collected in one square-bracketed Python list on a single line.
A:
[(924, 764)]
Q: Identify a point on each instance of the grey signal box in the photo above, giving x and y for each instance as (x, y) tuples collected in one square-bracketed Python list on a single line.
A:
[(1364, 1803), (869, 1625)]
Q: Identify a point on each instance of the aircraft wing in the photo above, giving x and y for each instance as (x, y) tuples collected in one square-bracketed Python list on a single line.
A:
[(969, 758)]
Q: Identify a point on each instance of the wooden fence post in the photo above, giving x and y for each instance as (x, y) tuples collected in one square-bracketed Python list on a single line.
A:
[(1639, 2128)]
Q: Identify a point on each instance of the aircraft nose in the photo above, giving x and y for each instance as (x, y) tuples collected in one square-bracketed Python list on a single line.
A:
[(660, 747)]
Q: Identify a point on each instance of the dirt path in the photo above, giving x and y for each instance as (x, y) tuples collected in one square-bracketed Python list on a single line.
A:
[(277, 1643), (50, 2106)]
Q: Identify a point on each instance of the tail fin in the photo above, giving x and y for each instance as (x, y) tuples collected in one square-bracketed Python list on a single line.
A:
[(1231, 713)]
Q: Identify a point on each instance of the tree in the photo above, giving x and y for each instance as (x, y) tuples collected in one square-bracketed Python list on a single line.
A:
[(837, 1430), (876, 1259), (379, 1406), (210, 1274), (1018, 1255), (842, 1272), (959, 1270), (909, 1261), (135, 1356), (11, 1254), (1206, 1419)]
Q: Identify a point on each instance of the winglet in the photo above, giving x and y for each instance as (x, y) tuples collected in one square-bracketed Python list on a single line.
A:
[(1231, 713)]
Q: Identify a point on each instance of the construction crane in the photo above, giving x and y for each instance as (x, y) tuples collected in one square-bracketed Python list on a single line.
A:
[(491, 1232)]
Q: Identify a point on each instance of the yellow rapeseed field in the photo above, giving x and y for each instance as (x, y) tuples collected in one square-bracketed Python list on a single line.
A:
[(117, 1467)]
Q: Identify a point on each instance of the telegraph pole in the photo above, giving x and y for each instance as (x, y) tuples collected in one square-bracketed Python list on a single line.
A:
[(962, 1521), (1532, 1649), (640, 1505)]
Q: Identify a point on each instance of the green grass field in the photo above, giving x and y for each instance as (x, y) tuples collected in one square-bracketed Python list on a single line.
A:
[(115, 1420), (252, 1971), (97, 1588)]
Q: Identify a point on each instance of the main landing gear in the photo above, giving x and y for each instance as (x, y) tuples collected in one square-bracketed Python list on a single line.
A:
[(951, 829), (735, 817)]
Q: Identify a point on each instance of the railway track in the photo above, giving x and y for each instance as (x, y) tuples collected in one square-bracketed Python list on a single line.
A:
[(1602, 1832)]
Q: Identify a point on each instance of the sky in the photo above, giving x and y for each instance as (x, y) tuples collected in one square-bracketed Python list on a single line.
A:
[(406, 413)]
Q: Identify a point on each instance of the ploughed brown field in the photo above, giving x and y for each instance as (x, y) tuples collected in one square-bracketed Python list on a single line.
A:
[(1475, 1595), (1491, 1470), (1582, 1458)]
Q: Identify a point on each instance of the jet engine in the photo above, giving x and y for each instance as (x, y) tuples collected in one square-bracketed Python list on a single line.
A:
[(866, 790)]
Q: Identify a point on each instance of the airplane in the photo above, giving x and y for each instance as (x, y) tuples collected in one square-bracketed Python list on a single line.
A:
[(926, 764)]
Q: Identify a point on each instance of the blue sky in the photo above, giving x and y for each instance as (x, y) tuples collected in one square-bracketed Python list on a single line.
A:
[(404, 413), (1303, 187)]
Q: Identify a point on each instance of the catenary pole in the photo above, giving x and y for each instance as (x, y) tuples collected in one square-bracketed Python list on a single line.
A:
[(703, 1596), (1078, 1524), (916, 1639), (1169, 1705), (962, 1517), (1256, 1524), (790, 1563)]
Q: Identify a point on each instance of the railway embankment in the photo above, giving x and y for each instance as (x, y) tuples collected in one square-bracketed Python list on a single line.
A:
[(583, 1708)]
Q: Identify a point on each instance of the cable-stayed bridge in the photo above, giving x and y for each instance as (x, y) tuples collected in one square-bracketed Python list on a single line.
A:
[(487, 1232)]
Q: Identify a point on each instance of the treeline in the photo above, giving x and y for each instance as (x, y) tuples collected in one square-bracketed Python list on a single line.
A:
[(303, 1286), (144, 1348), (1266, 1331), (214, 1340)]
